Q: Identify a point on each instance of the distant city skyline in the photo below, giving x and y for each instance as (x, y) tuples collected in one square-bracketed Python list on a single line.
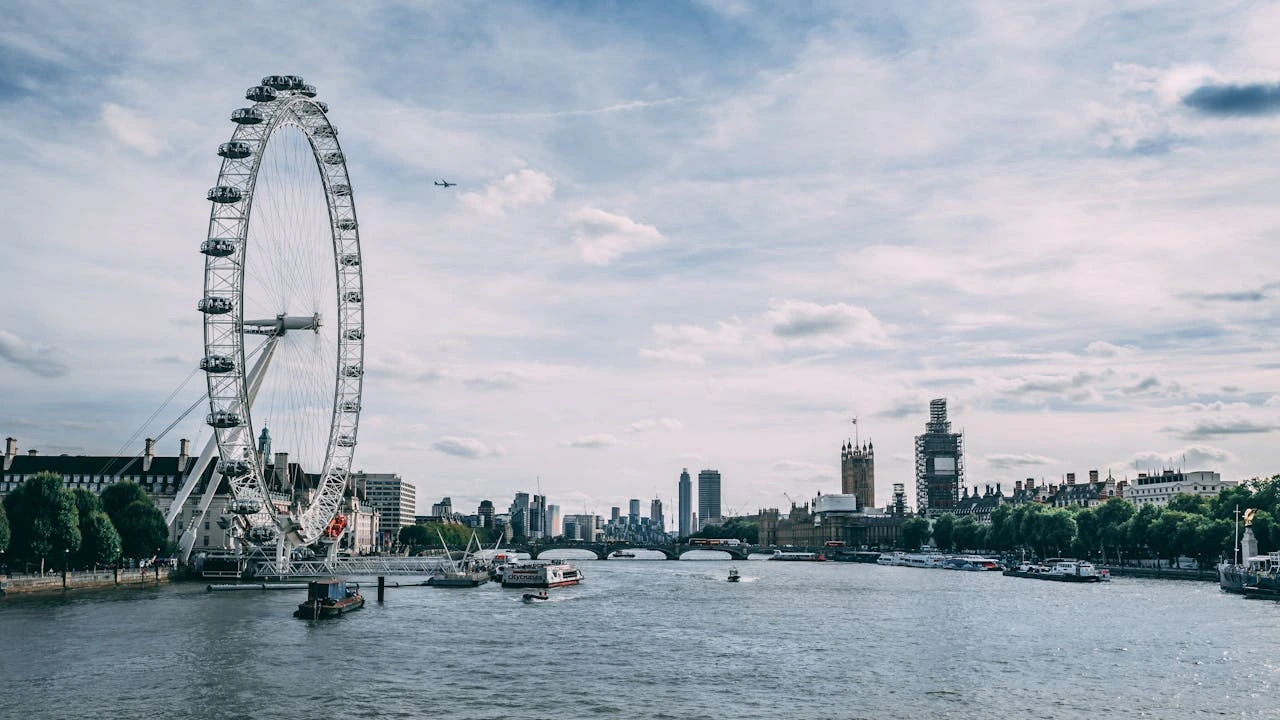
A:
[(701, 234)]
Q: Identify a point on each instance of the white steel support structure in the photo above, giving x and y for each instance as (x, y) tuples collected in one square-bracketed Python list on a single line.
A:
[(282, 101)]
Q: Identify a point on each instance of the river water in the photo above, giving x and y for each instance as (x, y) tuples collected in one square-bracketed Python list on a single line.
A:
[(656, 639)]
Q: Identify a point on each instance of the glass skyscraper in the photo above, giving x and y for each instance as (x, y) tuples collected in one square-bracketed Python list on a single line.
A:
[(709, 498)]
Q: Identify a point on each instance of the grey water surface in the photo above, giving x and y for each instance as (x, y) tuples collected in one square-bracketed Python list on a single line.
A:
[(656, 639)]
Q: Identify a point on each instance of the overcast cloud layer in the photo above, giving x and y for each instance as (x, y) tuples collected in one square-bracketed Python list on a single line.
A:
[(702, 235)]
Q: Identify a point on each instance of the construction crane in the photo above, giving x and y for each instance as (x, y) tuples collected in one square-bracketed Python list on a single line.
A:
[(793, 502)]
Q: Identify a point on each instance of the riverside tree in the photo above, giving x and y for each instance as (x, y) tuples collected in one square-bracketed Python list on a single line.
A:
[(137, 520), (45, 523), (915, 532), (4, 529), (99, 541), (734, 527), (944, 531)]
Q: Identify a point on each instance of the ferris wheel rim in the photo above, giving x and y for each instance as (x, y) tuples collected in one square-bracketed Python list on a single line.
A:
[(281, 101)]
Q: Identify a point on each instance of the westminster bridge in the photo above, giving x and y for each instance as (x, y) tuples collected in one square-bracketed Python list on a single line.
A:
[(604, 550)]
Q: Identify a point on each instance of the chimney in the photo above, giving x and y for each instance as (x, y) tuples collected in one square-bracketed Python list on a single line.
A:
[(10, 451), (184, 454), (1071, 478), (148, 455), (33, 452), (1093, 476), (282, 470)]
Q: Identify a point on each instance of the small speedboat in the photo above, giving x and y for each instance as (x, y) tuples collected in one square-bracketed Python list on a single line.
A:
[(531, 598), (734, 576)]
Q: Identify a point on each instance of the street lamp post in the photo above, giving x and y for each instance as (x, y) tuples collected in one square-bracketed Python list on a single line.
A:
[(66, 558)]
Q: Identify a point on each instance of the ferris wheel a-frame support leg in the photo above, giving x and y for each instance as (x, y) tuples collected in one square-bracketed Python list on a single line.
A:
[(188, 540)]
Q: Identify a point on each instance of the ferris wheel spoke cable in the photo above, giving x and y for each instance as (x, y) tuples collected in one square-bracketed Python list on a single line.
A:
[(160, 436)]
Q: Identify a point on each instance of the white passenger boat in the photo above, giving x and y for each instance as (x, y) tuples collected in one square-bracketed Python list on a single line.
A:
[(539, 574)]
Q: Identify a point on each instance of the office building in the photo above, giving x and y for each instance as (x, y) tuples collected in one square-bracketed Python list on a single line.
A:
[(685, 510), (394, 498), (554, 528), (656, 519), (709, 498), (633, 513)]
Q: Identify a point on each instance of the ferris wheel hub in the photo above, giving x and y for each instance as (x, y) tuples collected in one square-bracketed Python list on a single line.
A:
[(282, 323)]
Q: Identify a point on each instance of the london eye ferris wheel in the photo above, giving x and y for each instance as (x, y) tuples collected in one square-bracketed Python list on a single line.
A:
[(283, 310)]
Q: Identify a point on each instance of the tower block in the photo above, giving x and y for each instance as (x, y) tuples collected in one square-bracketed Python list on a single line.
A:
[(858, 472)]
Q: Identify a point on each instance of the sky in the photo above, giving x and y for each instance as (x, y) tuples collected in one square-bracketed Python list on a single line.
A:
[(684, 234)]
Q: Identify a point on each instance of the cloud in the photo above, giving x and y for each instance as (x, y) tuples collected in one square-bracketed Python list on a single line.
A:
[(603, 237), (38, 359), (1055, 383), (1232, 100), (1005, 461), (1205, 428), (671, 355), (599, 440), (824, 326), (1219, 406), (465, 447), (1238, 296), (655, 424), (515, 190), (1100, 348), (497, 380), (1191, 457), (132, 129), (905, 408), (786, 324)]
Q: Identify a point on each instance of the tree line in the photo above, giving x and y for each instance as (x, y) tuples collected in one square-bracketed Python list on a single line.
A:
[(1116, 530), (422, 536), (46, 525)]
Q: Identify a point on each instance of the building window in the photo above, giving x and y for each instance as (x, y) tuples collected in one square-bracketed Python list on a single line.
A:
[(206, 541)]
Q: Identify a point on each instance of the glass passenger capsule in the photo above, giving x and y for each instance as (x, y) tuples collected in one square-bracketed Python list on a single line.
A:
[(263, 534), (332, 158), (353, 296), (235, 150), (340, 190), (350, 260), (224, 194), (234, 468), (346, 224), (223, 419), (246, 506), (260, 94), (354, 334), (214, 305), (346, 441), (217, 364), (218, 247), (247, 116), (307, 90), (353, 371)]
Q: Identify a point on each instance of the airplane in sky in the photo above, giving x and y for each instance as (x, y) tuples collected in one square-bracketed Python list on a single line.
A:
[(445, 183)]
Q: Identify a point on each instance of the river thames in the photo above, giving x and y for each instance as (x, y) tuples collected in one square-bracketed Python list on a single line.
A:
[(659, 639)]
